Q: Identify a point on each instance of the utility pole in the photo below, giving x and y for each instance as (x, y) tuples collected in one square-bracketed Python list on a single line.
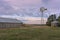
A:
[(42, 9)]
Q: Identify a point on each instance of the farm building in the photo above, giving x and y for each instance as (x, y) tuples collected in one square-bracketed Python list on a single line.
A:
[(55, 24), (8, 22)]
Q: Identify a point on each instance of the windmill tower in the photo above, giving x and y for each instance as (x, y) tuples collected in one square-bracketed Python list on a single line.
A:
[(42, 10)]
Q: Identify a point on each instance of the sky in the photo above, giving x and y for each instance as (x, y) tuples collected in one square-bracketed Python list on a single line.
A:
[(28, 9)]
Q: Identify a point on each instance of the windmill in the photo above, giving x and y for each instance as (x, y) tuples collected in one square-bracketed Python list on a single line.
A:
[(42, 10)]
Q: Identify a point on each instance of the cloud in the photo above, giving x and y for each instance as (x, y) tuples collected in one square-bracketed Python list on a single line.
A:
[(24, 3), (52, 3), (23, 18), (27, 20), (17, 4), (5, 8), (27, 8)]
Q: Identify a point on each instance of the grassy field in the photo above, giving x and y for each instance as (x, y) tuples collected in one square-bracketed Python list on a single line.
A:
[(30, 33)]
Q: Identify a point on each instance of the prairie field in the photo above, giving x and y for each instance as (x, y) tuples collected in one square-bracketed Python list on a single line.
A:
[(30, 33)]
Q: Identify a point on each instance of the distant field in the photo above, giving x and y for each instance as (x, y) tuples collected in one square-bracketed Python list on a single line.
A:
[(30, 33)]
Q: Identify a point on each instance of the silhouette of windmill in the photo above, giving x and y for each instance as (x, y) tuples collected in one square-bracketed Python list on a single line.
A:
[(42, 10)]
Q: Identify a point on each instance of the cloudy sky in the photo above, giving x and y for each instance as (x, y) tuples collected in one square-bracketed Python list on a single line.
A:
[(28, 8)]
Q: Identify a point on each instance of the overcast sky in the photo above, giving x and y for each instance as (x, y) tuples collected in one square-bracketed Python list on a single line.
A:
[(28, 8)]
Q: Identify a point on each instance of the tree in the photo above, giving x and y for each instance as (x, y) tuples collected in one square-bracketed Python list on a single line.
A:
[(58, 19), (50, 19)]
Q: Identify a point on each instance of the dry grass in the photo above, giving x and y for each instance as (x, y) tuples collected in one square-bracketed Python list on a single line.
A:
[(30, 33)]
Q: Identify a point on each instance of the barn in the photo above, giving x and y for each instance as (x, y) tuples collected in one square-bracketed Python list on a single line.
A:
[(55, 24), (8, 23)]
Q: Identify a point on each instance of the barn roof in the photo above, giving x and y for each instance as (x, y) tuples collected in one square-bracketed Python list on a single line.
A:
[(9, 20), (55, 22)]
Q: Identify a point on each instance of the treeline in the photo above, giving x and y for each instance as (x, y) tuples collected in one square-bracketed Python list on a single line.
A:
[(52, 18)]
